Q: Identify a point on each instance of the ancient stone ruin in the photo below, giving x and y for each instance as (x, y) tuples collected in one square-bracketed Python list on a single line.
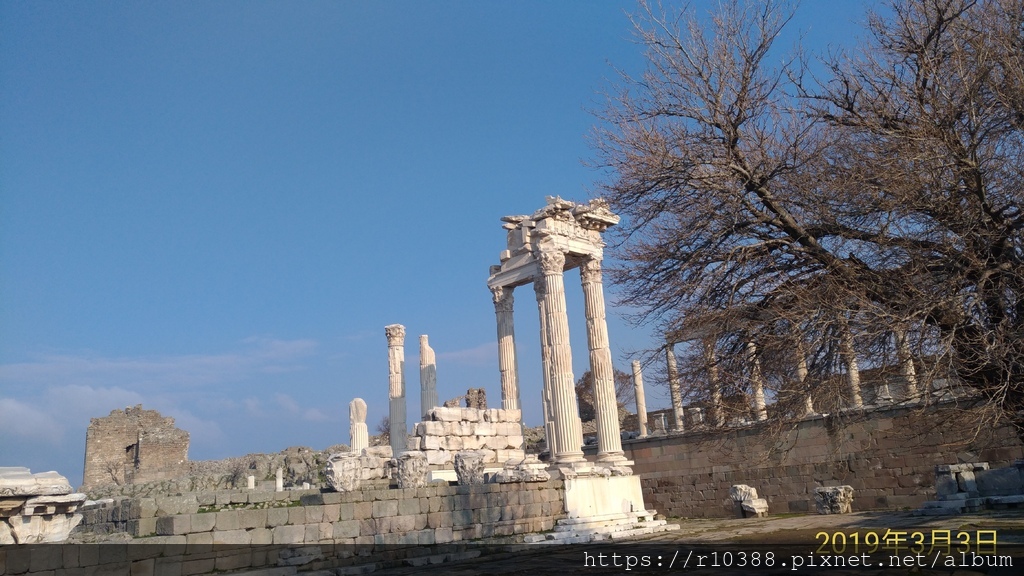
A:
[(133, 446), (36, 508)]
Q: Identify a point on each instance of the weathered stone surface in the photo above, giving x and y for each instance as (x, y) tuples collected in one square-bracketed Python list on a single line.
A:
[(19, 481), (36, 508), (469, 467), (344, 472), (134, 446), (741, 492), (757, 507), (528, 469), (833, 499), (413, 470)]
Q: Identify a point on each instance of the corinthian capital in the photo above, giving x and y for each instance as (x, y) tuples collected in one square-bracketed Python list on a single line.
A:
[(590, 270), (395, 334), (503, 299), (551, 261)]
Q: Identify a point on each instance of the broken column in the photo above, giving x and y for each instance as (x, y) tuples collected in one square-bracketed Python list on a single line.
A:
[(396, 386), (359, 436), (849, 356), (673, 387), (801, 378), (567, 427), (279, 481), (606, 406), (711, 365), (344, 471), (641, 403), (428, 377), (469, 467), (757, 382), (413, 470), (906, 360), (507, 363)]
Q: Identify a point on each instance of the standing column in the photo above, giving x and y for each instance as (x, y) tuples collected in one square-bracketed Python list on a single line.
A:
[(673, 387), (428, 377), (545, 363), (609, 439), (567, 428), (757, 381), (906, 360), (638, 393), (503, 305), (359, 437), (801, 378), (711, 365), (396, 390), (849, 355)]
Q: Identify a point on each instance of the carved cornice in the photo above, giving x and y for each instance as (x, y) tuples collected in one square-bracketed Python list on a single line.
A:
[(590, 270), (503, 299), (551, 261), (395, 334)]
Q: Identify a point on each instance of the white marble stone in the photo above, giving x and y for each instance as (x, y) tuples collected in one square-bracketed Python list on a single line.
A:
[(428, 376)]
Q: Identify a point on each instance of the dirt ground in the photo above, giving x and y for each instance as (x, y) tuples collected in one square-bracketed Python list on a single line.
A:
[(812, 541)]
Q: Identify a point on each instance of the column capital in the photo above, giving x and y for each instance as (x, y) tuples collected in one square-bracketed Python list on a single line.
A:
[(395, 334), (503, 299), (590, 270), (551, 261)]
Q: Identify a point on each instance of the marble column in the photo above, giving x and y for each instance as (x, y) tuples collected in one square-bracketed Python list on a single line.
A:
[(638, 393), (545, 362), (567, 428), (279, 481), (757, 382), (711, 365), (606, 405), (359, 436), (428, 377), (507, 363), (396, 387), (801, 378), (906, 360), (673, 387), (849, 356)]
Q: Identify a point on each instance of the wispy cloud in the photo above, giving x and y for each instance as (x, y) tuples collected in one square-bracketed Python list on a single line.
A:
[(477, 356), (258, 355)]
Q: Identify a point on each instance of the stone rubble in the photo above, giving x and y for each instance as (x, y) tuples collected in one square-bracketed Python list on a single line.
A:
[(496, 433)]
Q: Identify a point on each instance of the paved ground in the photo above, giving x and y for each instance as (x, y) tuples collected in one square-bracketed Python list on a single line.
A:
[(804, 539)]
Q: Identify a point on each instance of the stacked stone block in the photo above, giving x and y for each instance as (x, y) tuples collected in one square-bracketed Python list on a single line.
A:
[(381, 523), (888, 458), (496, 433)]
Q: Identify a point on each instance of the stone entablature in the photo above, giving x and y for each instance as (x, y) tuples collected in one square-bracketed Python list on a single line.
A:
[(133, 446), (36, 508), (496, 433)]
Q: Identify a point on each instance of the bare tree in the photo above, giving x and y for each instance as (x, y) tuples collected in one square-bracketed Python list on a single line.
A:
[(826, 214)]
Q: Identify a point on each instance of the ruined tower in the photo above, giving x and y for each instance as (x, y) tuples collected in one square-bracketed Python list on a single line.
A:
[(133, 446)]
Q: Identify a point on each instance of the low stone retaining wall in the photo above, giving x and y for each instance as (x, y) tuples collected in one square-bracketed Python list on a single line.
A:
[(245, 530), (887, 455)]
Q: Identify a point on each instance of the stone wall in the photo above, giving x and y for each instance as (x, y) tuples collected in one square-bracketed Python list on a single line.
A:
[(133, 446), (497, 433), (888, 456), (329, 528)]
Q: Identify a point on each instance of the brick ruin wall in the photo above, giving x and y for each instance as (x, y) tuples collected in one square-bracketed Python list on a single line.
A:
[(133, 446), (888, 456)]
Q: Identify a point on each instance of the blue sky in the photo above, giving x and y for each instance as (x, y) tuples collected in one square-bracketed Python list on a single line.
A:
[(214, 208)]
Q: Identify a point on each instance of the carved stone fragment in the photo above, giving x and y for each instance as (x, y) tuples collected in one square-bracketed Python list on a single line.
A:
[(413, 470), (469, 467)]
